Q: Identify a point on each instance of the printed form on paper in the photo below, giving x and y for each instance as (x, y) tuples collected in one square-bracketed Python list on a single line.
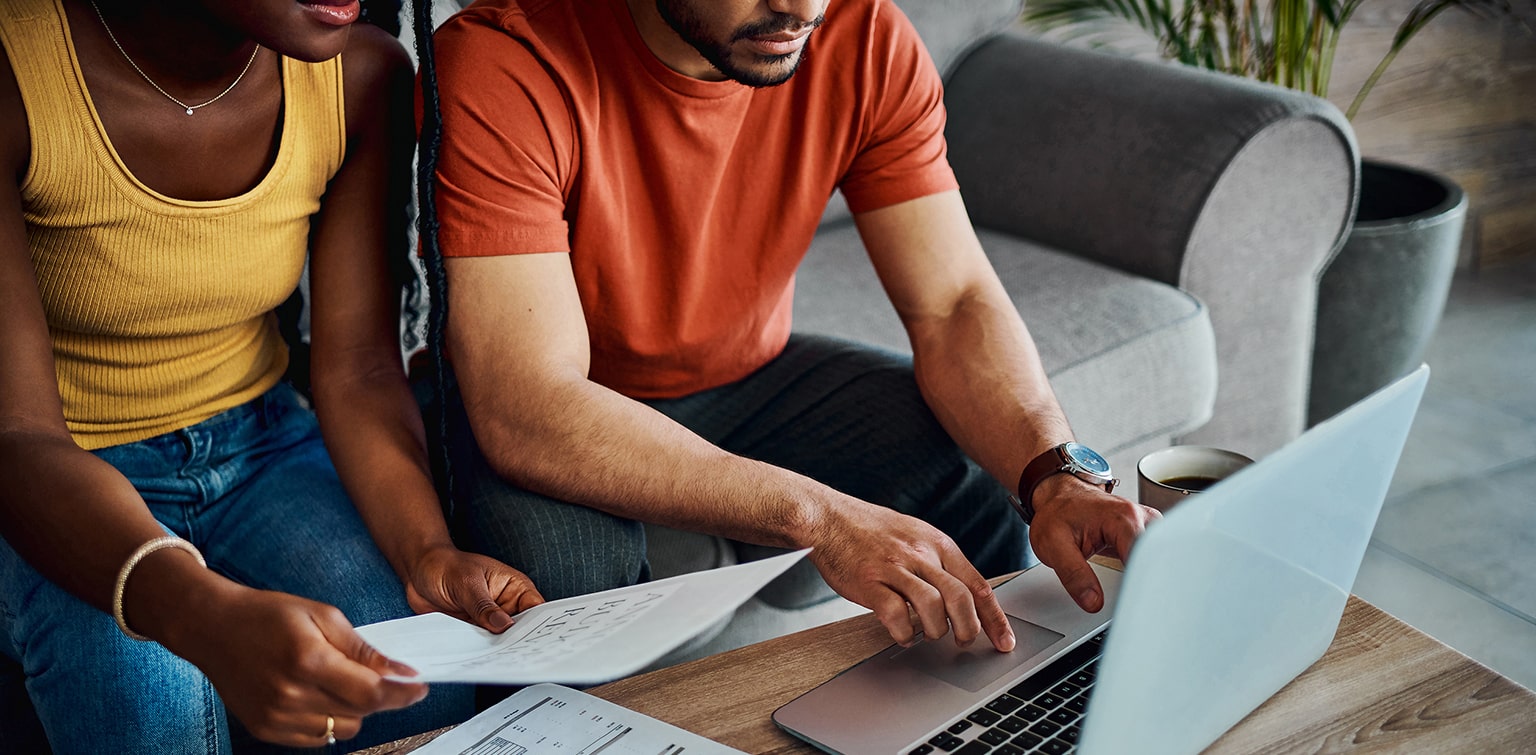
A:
[(587, 639), (554, 720)]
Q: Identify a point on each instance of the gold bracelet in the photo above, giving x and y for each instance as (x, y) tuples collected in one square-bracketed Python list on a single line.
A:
[(169, 541)]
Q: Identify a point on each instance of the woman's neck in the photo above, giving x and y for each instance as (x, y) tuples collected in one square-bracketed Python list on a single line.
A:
[(174, 40)]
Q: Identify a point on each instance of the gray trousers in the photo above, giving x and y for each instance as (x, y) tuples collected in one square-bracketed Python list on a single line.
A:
[(847, 415)]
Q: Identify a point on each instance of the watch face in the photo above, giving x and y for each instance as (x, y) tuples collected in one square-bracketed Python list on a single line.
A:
[(1087, 458)]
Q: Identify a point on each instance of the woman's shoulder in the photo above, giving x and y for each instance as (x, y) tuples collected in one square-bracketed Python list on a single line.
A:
[(374, 52), (374, 64)]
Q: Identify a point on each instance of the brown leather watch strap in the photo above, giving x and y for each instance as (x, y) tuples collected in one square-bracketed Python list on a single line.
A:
[(1049, 462)]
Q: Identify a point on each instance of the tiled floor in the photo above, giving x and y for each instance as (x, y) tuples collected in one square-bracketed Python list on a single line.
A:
[(1454, 552)]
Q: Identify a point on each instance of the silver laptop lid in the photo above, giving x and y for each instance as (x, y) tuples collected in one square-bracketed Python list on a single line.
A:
[(1242, 587)]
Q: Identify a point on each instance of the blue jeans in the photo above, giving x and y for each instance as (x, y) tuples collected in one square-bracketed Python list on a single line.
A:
[(255, 491), (845, 414)]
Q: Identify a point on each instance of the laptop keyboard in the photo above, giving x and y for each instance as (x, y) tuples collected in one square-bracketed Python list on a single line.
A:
[(1039, 715)]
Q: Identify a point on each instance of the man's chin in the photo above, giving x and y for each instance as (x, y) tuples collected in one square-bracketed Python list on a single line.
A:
[(764, 71)]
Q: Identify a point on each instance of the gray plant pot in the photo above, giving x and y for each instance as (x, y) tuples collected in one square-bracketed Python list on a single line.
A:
[(1382, 296)]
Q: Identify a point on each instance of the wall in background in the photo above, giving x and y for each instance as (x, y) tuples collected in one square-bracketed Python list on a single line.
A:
[(1460, 100)]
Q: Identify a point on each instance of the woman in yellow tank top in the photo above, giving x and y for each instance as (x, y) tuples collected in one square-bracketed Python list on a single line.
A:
[(169, 163)]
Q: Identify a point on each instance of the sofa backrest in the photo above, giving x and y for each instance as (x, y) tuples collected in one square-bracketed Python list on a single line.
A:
[(950, 27)]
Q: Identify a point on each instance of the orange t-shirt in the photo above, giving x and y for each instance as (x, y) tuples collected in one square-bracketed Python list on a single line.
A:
[(685, 205)]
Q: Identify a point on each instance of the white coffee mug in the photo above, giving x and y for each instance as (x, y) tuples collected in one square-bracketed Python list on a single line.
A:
[(1169, 475)]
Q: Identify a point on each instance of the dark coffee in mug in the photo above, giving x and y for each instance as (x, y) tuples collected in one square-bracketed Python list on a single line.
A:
[(1193, 483), (1169, 475)]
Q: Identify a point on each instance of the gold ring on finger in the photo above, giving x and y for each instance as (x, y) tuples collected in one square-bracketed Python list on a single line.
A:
[(330, 730)]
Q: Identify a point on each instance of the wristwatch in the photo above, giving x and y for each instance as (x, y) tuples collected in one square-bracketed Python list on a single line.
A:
[(1069, 458)]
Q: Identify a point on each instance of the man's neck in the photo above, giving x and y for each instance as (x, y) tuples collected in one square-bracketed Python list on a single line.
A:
[(669, 47)]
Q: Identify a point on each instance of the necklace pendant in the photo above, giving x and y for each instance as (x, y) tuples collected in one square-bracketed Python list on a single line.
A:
[(189, 108)]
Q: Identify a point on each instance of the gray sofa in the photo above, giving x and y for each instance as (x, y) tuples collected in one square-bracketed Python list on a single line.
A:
[(1161, 229)]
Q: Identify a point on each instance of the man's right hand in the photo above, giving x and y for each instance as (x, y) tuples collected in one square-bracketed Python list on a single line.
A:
[(891, 564), (283, 664)]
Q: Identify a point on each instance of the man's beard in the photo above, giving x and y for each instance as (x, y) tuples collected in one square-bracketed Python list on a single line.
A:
[(771, 70)]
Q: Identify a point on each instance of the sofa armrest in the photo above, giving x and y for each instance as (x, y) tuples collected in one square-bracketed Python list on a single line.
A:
[(1235, 191)]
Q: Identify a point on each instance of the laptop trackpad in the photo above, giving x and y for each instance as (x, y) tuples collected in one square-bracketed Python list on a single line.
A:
[(979, 665)]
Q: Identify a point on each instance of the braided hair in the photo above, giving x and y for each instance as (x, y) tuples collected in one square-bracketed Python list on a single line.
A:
[(428, 145)]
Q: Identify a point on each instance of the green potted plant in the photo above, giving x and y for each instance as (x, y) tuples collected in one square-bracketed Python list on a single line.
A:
[(1382, 296)]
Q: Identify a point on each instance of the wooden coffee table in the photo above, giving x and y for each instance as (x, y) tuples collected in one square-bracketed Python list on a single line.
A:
[(1382, 686)]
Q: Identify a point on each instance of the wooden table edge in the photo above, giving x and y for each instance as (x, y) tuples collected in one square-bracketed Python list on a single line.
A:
[(1437, 693)]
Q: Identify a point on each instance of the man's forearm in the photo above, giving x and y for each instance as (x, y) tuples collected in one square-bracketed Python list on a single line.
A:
[(980, 372), (975, 361), (576, 441)]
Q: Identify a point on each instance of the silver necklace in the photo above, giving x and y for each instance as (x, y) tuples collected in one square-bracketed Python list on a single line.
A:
[(189, 108)]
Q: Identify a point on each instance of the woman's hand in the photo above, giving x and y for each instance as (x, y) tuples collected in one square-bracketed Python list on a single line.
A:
[(283, 665), (477, 589)]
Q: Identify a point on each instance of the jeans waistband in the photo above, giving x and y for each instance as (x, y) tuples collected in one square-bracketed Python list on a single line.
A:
[(264, 411)]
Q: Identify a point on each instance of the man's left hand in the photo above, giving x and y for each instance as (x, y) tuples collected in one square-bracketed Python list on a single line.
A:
[(1075, 520)]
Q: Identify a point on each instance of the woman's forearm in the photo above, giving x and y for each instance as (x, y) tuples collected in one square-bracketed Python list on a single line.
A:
[(373, 431), (72, 516)]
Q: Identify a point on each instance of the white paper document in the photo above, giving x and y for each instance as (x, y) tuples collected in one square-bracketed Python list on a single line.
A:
[(587, 639), (547, 718)]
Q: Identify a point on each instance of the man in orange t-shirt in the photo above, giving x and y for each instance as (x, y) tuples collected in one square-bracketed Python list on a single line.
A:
[(625, 189)]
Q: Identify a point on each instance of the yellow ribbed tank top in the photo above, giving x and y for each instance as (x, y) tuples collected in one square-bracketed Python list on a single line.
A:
[(160, 309)]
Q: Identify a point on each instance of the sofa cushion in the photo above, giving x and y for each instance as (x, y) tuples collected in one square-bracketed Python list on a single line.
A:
[(1129, 358)]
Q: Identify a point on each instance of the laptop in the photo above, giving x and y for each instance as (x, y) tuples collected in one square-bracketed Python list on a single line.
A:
[(1221, 604)]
